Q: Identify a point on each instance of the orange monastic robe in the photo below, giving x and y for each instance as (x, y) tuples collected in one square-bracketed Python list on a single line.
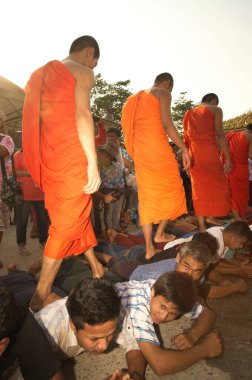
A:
[(160, 189), (210, 192), (56, 160), (238, 179)]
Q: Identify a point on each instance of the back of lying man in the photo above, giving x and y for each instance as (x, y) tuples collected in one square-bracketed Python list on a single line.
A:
[(22, 339), (155, 302)]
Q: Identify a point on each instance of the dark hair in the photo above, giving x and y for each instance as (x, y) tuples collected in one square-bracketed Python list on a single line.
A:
[(116, 131), (197, 250), (207, 239), (9, 313), (163, 77), (249, 127), (84, 42), (240, 229), (209, 97), (93, 301), (177, 288)]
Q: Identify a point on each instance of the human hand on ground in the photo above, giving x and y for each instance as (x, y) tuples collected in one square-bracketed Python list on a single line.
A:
[(94, 179), (246, 269), (183, 341), (121, 375), (212, 345)]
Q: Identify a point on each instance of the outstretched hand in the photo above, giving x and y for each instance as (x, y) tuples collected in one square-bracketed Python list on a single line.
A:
[(94, 179), (119, 375)]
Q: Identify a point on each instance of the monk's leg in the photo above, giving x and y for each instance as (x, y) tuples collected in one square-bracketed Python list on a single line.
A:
[(161, 236), (214, 221), (201, 223), (150, 248), (97, 268), (49, 271), (237, 215)]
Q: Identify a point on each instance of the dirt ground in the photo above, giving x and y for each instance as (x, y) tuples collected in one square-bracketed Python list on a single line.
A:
[(234, 322)]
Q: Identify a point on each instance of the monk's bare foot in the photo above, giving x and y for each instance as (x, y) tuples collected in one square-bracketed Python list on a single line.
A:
[(151, 252), (11, 268), (37, 302), (214, 221), (164, 238), (98, 270), (202, 228), (111, 235)]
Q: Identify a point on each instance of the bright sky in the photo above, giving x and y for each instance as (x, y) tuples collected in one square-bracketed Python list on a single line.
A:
[(204, 44)]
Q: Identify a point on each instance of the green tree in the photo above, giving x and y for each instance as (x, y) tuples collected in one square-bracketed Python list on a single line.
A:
[(179, 109), (107, 99)]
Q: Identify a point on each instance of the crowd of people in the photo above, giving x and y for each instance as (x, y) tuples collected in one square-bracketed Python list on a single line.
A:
[(98, 283)]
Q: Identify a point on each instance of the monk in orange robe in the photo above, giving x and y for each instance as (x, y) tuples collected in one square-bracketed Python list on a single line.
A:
[(203, 130), (240, 148), (147, 125), (59, 150)]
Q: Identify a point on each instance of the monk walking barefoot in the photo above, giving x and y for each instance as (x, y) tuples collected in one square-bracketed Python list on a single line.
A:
[(147, 125), (59, 150)]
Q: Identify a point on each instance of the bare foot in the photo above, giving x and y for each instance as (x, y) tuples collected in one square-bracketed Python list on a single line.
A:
[(164, 238), (202, 228), (151, 252), (98, 270), (214, 221), (111, 235), (11, 268)]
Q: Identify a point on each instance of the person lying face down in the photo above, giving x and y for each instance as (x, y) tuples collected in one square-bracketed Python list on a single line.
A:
[(156, 302), (86, 320), (22, 339)]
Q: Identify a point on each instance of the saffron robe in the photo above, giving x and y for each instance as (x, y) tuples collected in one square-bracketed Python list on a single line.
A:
[(210, 191), (160, 188), (56, 160), (238, 179)]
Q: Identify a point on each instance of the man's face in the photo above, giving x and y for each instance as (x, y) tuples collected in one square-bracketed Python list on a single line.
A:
[(162, 310), (113, 138), (95, 339), (236, 242), (193, 268)]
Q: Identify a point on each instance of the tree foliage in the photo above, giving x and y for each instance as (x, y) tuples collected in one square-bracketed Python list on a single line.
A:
[(107, 99), (179, 109)]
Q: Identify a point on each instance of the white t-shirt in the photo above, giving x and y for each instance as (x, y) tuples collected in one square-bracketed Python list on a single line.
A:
[(215, 232), (222, 249)]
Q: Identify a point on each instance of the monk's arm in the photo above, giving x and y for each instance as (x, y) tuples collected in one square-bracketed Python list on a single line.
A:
[(85, 126), (169, 127), (221, 137)]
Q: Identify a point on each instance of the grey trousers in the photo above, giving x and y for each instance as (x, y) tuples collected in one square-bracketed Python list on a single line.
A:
[(112, 214)]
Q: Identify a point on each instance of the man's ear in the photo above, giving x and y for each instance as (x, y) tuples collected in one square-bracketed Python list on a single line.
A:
[(178, 257), (152, 292), (3, 344)]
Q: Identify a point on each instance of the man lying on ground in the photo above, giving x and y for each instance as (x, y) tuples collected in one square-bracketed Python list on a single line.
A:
[(87, 320), (23, 340)]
